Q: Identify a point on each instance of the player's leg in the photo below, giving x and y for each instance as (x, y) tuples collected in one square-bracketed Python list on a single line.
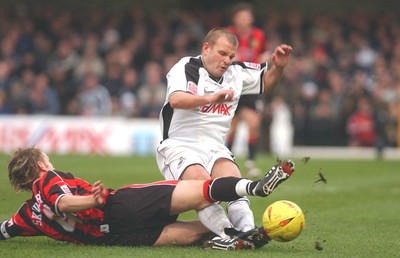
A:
[(180, 160), (196, 194), (253, 120), (189, 195), (276, 175), (211, 215), (230, 138), (199, 194), (239, 212), (183, 233)]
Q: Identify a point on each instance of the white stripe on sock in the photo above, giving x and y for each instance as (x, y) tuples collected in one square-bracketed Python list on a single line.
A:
[(241, 187)]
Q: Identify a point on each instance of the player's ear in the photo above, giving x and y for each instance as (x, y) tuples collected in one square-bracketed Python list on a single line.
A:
[(41, 166), (205, 48)]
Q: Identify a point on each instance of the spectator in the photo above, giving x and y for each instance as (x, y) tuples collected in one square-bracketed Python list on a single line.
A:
[(5, 75), (361, 126), (42, 98), (152, 91), (7, 49), (43, 47), (281, 129), (112, 79), (65, 58), (19, 92), (110, 37), (190, 31), (323, 114), (94, 99), (4, 105), (64, 87), (28, 61), (351, 55), (391, 127), (90, 62), (128, 93)]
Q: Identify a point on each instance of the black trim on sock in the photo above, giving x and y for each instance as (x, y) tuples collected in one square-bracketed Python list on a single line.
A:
[(251, 187)]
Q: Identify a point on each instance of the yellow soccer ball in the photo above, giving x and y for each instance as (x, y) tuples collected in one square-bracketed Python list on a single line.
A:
[(283, 221)]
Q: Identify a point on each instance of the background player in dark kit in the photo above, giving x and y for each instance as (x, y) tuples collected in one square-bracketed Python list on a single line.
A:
[(252, 48)]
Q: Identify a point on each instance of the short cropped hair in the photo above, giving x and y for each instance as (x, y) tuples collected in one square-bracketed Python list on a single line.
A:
[(23, 168), (242, 7), (218, 32)]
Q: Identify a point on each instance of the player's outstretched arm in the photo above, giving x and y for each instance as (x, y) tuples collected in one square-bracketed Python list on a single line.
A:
[(73, 203), (280, 59)]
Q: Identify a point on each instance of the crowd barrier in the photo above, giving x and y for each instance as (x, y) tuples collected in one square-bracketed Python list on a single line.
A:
[(122, 136), (80, 135)]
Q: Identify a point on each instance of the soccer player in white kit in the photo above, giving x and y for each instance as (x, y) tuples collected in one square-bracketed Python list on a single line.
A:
[(202, 96)]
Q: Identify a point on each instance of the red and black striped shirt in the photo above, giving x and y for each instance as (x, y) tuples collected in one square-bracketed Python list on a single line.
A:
[(39, 215), (252, 47)]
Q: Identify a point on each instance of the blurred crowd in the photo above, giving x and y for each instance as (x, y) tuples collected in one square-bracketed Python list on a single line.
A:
[(342, 85)]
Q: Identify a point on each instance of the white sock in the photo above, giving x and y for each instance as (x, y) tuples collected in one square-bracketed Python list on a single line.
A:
[(215, 219), (242, 187), (240, 214)]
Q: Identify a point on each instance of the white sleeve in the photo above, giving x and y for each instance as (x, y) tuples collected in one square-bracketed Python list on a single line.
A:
[(176, 79), (252, 75)]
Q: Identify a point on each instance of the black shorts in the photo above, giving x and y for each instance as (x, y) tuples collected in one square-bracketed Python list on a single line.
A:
[(137, 214), (248, 101)]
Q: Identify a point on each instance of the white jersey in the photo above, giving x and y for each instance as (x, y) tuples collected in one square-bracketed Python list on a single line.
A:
[(211, 122)]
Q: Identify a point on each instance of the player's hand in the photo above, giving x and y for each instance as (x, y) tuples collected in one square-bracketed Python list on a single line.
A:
[(223, 95), (281, 55), (98, 192)]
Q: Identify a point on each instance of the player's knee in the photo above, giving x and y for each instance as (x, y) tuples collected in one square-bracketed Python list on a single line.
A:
[(195, 172)]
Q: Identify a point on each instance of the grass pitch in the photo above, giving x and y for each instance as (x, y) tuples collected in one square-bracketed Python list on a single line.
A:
[(353, 214)]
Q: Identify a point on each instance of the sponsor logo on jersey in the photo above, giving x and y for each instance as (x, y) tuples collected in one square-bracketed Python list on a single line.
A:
[(65, 189), (36, 216), (217, 108), (38, 198), (192, 87), (253, 65), (105, 228)]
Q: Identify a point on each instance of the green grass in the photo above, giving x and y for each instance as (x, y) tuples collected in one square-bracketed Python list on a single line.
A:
[(353, 215)]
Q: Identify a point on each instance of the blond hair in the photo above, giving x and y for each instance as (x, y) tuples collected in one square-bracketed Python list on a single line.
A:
[(23, 168)]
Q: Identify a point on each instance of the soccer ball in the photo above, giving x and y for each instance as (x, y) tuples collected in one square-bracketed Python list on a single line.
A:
[(283, 221)]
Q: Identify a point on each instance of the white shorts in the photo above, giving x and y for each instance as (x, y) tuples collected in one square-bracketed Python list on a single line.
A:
[(174, 156)]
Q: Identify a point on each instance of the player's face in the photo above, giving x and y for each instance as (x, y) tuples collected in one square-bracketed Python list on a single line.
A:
[(46, 163), (243, 19), (218, 58)]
